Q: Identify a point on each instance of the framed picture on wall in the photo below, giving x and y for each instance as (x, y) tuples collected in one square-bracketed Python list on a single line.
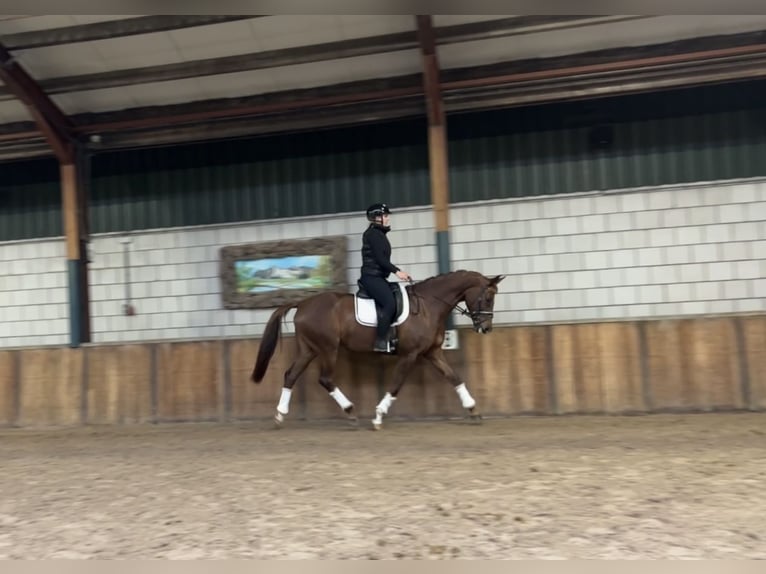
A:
[(273, 273)]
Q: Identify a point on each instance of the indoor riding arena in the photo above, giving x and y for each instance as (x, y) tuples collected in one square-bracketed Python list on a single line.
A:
[(169, 182)]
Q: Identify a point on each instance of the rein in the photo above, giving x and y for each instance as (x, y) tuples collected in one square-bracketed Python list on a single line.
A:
[(473, 315)]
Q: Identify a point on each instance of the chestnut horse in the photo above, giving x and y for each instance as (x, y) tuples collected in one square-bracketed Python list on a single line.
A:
[(325, 321)]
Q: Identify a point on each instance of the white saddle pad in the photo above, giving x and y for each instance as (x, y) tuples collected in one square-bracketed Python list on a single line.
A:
[(366, 314)]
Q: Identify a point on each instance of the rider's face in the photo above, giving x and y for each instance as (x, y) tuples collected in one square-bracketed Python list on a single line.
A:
[(386, 219)]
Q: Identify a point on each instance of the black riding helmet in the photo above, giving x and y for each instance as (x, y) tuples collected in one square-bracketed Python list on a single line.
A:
[(377, 210)]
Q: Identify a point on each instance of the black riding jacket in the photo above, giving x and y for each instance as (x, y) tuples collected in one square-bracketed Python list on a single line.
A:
[(376, 252)]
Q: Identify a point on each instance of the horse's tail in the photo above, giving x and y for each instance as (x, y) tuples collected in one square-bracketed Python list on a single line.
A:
[(269, 342)]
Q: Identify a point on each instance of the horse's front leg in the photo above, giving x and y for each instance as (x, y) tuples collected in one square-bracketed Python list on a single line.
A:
[(401, 371), (436, 357)]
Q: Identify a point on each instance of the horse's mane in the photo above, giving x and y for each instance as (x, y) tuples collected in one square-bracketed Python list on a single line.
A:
[(428, 280)]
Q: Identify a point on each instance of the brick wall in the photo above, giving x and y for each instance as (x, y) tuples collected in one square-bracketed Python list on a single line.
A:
[(682, 250)]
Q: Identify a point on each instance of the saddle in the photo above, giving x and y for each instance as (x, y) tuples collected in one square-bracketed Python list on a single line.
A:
[(367, 311)]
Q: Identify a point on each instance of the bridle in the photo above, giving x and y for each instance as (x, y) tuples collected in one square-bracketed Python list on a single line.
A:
[(476, 315)]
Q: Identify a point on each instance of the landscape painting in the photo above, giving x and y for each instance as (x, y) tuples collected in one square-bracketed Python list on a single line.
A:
[(272, 274), (269, 274)]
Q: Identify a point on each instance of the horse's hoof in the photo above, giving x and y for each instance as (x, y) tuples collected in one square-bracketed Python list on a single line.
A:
[(278, 421), (376, 425), (475, 416)]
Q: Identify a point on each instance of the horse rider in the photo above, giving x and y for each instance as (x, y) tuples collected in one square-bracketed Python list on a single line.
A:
[(376, 267)]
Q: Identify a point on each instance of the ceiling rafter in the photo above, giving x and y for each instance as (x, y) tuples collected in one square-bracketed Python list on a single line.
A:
[(356, 47), (110, 29), (55, 126)]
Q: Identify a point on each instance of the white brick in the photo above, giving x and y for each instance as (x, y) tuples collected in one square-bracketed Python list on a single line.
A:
[(571, 298), (556, 244), (580, 205), (702, 215), (634, 239), (555, 208), (677, 254), (593, 223), (502, 213), (633, 202), (623, 258), (732, 213), (718, 233), (543, 263), (638, 311), (493, 231), (635, 276), (708, 290), (596, 260), (606, 204), (758, 288), (720, 306), (540, 227), (748, 269), (661, 237), (557, 281), (646, 219), (748, 231), (746, 192), (755, 212), (660, 199), (719, 195), (569, 261), (598, 297), (613, 312), (544, 300), (534, 316), (693, 307), (693, 272), (666, 309), (588, 242), (583, 279), (650, 256), (609, 277), (465, 234), (528, 210), (520, 300), (532, 282), (663, 274), (735, 289), (750, 305), (517, 265), (721, 270), (516, 229), (566, 225), (679, 292), (624, 295), (530, 246), (649, 294), (167, 273), (705, 252), (689, 235), (619, 221)]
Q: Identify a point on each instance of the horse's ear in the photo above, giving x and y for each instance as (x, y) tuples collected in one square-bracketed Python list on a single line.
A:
[(496, 279)]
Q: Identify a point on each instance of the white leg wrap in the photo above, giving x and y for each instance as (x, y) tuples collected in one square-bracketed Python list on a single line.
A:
[(384, 404), (465, 396), (284, 401), (340, 398)]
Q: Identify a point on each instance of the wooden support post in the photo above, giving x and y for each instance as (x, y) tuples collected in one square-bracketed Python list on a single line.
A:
[(58, 131), (437, 144), (75, 230)]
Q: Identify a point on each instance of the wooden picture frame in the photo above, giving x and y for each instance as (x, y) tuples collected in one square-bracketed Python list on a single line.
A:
[(273, 273)]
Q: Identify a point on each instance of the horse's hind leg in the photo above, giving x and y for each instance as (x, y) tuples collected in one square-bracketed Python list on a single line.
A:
[(401, 370), (291, 376), (327, 371)]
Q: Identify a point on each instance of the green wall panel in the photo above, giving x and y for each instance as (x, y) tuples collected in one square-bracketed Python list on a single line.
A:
[(687, 135)]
